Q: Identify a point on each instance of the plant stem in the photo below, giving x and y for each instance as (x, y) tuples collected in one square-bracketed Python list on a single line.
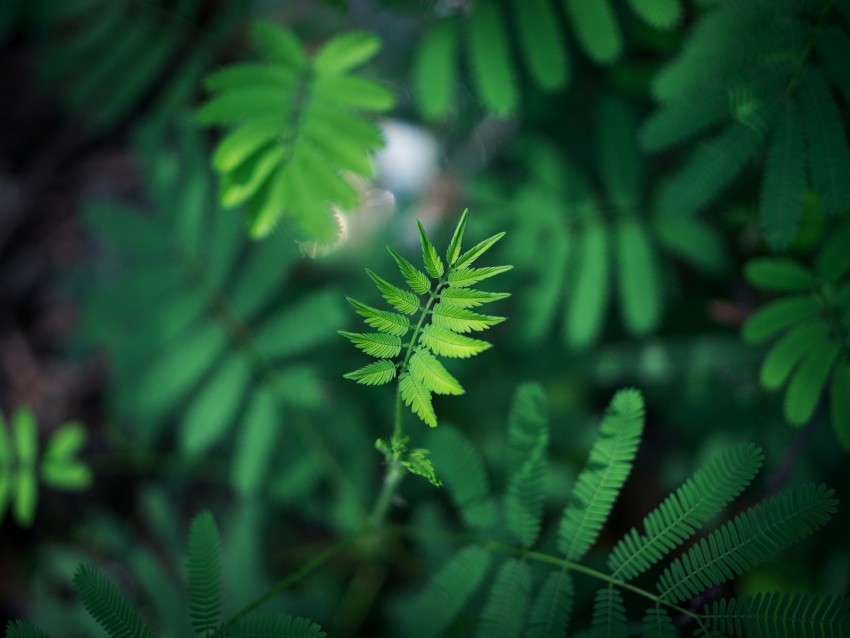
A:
[(392, 477)]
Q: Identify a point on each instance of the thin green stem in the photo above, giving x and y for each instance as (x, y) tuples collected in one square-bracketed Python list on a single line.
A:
[(392, 477), (540, 557), (295, 577)]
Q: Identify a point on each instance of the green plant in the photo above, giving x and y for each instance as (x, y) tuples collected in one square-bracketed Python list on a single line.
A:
[(227, 349), (482, 27), (21, 467), (814, 323), (284, 155), (774, 90), (117, 616), (444, 318), (531, 592)]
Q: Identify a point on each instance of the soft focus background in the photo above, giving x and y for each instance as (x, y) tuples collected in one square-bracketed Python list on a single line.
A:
[(637, 158)]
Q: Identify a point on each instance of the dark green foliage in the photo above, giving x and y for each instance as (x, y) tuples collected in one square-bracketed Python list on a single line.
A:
[(88, 45), (758, 534), (752, 73), (224, 350), (813, 323), (518, 604), (599, 483), (781, 615), (118, 617), (589, 247), (483, 27), (283, 155), (21, 467)]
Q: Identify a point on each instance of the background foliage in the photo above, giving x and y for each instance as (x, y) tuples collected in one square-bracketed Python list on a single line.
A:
[(190, 189)]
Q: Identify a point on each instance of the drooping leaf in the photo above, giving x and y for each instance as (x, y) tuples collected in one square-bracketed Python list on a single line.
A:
[(417, 397), (639, 285), (584, 317), (435, 69), (789, 350), (609, 614), (490, 59), (808, 381), (596, 28), (778, 315), (431, 373), (503, 615), (107, 605), (553, 605), (204, 573)]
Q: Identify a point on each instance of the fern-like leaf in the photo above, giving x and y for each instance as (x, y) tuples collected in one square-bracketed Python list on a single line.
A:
[(293, 163), (462, 320), (584, 316), (21, 629), (463, 277), (504, 613), (431, 373), (402, 300), (553, 605), (416, 279), (462, 470), (789, 350), (541, 43), (596, 28), (376, 344), (433, 264), (773, 318), (204, 571), (758, 534), (448, 592), (417, 397), (377, 373), (599, 483), (490, 59), (470, 256), (808, 382), (781, 615), (446, 343), (390, 323), (686, 510), (609, 614), (657, 624), (272, 626), (435, 69), (469, 297), (639, 280), (107, 605)]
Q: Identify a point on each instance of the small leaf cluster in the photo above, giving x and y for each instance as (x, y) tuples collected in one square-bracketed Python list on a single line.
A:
[(811, 325), (526, 601), (483, 29), (776, 91), (430, 319), (296, 129), (21, 467), (105, 602)]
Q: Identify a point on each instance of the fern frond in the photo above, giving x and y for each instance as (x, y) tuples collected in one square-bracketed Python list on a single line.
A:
[(784, 183), (431, 373), (756, 535), (21, 629), (377, 373), (462, 471), (469, 297), (524, 498), (773, 318), (657, 624), (204, 571), (468, 258), (828, 150), (599, 483), (527, 424), (713, 165), (462, 320), (375, 344), (609, 614), (781, 615), (402, 300), (490, 60), (583, 318), (693, 504), (107, 605), (293, 165), (448, 591), (386, 322), (433, 264), (503, 615), (639, 280), (446, 343), (272, 626), (553, 605), (416, 279), (417, 397)]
